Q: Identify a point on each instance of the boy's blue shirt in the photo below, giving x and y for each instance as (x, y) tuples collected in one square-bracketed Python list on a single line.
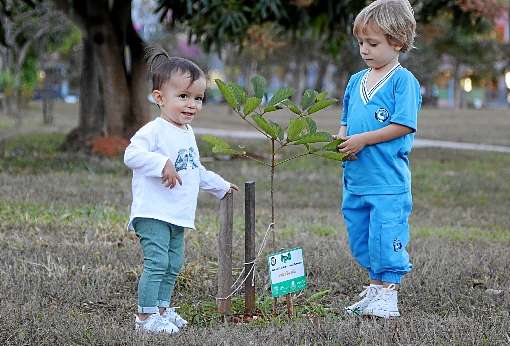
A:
[(381, 168)]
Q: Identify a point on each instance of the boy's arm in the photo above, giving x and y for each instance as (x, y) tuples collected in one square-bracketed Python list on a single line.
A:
[(138, 155), (342, 132), (355, 143)]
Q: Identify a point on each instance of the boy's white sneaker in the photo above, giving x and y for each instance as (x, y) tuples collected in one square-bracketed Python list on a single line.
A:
[(171, 315), (155, 324), (358, 309), (384, 304)]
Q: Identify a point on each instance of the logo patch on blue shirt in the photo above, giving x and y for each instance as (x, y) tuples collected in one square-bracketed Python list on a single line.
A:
[(381, 115)]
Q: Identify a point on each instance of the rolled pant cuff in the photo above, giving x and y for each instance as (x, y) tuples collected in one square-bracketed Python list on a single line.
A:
[(148, 309), (392, 278), (163, 303), (374, 276)]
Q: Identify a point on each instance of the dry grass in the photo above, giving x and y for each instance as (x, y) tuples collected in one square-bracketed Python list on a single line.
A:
[(69, 269)]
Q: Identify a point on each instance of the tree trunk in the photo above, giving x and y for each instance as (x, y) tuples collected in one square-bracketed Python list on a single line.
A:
[(138, 84), (91, 118), (457, 90), (116, 92), (113, 90), (321, 74)]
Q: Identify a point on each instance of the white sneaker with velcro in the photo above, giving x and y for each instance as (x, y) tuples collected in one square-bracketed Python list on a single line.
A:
[(358, 308), (384, 304), (172, 316), (155, 324)]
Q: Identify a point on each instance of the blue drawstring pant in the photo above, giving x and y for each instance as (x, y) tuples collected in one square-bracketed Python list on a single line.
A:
[(378, 233)]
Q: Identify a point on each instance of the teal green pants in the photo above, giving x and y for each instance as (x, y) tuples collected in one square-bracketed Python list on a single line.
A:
[(163, 256)]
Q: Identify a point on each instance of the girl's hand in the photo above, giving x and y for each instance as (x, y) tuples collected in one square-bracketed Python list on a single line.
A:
[(170, 177), (352, 145), (233, 187)]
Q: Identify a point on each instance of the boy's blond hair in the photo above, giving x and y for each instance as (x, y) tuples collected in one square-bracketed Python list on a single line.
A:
[(393, 17)]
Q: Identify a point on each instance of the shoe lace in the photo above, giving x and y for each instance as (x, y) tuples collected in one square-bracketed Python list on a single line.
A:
[(385, 291), (368, 290)]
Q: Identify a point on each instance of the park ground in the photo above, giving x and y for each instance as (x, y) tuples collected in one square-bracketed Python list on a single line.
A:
[(69, 268)]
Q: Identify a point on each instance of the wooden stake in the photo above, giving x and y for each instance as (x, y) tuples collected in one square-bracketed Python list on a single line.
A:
[(290, 305), (249, 247), (225, 252)]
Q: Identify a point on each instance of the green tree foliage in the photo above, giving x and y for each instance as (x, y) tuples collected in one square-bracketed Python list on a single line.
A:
[(461, 32), (28, 32), (301, 130), (214, 23)]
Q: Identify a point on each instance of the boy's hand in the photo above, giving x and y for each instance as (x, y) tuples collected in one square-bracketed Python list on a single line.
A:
[(350, 157), (352, 145), (233, 187), (335, 137), (170, 177)]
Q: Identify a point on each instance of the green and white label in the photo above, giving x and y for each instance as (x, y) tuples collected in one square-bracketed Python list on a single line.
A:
[(287, 271)]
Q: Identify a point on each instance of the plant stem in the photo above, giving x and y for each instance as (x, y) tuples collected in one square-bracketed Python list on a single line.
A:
[(253, 125), (257, 160), (272, 184), (291, 158)]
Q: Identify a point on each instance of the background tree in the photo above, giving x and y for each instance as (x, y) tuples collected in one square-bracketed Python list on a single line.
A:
[(26, 30), (459, 36), (113, 86)]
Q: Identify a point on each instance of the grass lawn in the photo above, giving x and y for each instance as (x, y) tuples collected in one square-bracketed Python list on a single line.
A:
[(487, 126), (69, 269)]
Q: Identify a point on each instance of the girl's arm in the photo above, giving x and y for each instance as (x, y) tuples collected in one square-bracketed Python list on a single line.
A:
[(139, 154), (355, 143), (213, 183)]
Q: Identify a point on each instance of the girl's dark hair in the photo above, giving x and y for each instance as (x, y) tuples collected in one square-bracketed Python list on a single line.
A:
[(162, 67)]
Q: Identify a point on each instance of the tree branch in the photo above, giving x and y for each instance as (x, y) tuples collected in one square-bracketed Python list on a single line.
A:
[(292, 158)]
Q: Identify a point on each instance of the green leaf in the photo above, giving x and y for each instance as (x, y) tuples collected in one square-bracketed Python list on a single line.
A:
[(251, 104), (308, 99), (239, 94), (292, 106), (269, 109), (265, 126), (321, 96), (219, 146), (259, 86), (228, 93), (280, 95), (311, 125), (314, 138), (225, 151), (296, 127), (321, 105), (317, 296), (215, 141), (330, 155), (333, 145), (279, 130)]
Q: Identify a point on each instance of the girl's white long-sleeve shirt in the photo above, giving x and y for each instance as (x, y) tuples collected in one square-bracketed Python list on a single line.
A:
[(150, 148)]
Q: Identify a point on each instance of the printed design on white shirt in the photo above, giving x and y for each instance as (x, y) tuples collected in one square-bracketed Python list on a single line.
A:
[(186, 159), (366, 95)]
